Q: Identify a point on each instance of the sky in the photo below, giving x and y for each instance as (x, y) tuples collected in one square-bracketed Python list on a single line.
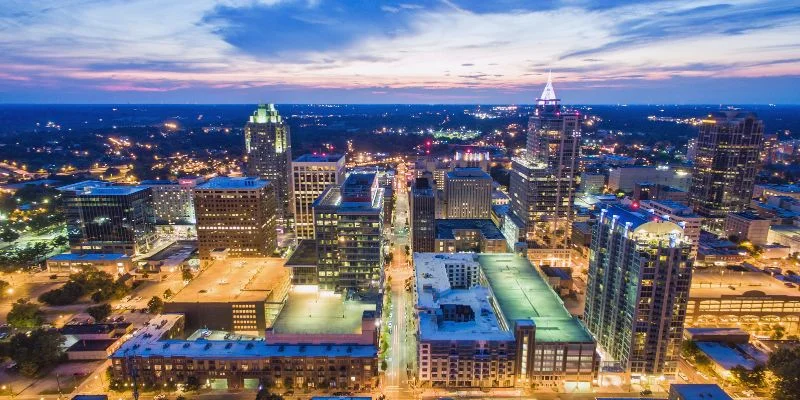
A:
[(406, 51)]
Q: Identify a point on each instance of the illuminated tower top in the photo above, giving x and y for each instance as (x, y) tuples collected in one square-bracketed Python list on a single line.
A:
[(266, 113), (548, 94)]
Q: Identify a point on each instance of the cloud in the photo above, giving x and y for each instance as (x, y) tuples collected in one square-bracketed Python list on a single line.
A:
[(156, 47)]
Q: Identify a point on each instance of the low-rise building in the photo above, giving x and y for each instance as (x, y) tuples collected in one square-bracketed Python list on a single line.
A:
[(592, 183), (69, 263), (490, 320), (766, 191), (735, 297), (475, 235), (727, 356), (747, 225), (242, 295), (786, 235), (157, 357), (625, 178), (692, 391), (655, 191)]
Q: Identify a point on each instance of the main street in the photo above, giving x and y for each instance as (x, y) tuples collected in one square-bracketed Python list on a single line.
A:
[(402, 345)]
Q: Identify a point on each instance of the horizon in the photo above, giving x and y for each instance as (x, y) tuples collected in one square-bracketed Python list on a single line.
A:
[(383, 52)]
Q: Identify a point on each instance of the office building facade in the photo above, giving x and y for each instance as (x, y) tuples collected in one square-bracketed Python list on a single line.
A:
[(638, 289), (422, 206), (311, 175), (543, 181), (236, 215), (268, 152), (109, 219), (173, 201), (348, 227), (728, 148), (468, 194)]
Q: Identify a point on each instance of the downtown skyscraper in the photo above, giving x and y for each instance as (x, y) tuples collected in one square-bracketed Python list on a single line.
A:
[(725, 165), (640, 270), (268, 152), (543, 181)]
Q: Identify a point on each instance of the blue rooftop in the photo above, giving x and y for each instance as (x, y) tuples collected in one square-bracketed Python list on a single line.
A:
[(113, 190), (624, 215), (230, 182), (240, 349), (89, 257), (83, 186), (319, 158), (705, 391)]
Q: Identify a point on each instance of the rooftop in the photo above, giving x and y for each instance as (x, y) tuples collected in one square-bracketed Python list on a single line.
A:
[(93, 329), (92, 345), (781, 188), (729, 356), (175, 253), (445, 228), (304, 255), (700, 391), (89, 257), (235, 279), (150, 341), (459, 173), (716, 284), (319, 312), (434, 291), (230, 182), (522, 294), (748, 215), (83, 186), (332, 158)]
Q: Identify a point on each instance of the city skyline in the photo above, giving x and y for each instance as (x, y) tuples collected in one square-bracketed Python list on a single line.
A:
[(427, 52)]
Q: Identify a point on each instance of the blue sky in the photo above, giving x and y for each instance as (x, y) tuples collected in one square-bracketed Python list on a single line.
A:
[(426, 51)]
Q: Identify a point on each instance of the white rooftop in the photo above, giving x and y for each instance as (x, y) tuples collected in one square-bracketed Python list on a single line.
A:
[(434, 290)]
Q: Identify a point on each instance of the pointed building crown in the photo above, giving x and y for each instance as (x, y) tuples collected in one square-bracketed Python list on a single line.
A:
[(266, 113), (548, 94)]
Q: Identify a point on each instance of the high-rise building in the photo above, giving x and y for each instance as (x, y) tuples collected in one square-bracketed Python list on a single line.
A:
[(173, 201), (311, 175), (728, 149), (468, 194), (422, 206), (109, 219), (543, 181), (236, 216), (268, 151), (348, 224), (640, 271)]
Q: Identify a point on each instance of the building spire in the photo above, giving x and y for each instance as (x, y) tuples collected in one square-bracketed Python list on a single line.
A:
[(548, 94)]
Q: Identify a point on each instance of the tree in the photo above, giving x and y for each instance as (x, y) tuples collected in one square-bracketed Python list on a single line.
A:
[(67, 294), (99, 312), (9, 235), (187, 275), (37, 350), (785, 365), (752, 379), (4, 286), (167, 294), (25, 315), (59, 241), (155, 305), (265, 394), (777, 332)]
